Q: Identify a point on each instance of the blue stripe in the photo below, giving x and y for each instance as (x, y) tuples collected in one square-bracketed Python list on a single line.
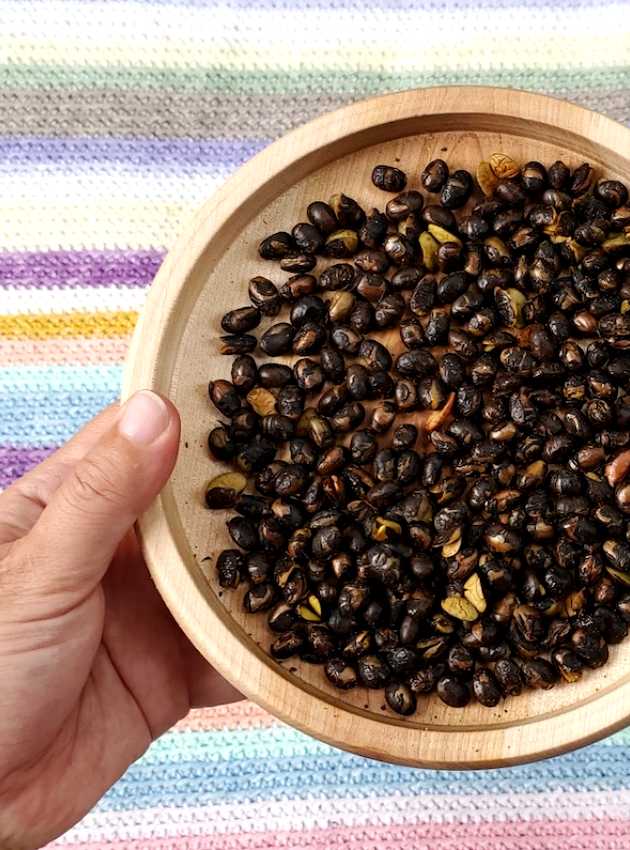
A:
[(50, 417), (180, 155), (258, 765), (51, 378), (229, 744)]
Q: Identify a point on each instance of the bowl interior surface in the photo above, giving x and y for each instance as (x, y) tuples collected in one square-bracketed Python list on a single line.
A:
[(187, 344)]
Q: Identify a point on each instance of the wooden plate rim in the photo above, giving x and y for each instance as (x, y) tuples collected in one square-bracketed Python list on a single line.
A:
[(162, 536)]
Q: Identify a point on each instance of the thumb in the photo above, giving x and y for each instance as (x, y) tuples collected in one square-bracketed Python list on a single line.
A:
[(78, 532)]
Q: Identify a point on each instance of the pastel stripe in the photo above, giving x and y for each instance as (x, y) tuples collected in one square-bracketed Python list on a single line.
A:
[(136, 223), (238, 715), (422, 808), (51, 403), (241, 99), (557, 834), (93, 184), (602, 32), (270, 81), (97, 268), (14, 462), (299, 769), (50, 378), (177, 155), (80, 299), (236, 747), (187, 34), (63, 352), (64, 325), (33, 421)]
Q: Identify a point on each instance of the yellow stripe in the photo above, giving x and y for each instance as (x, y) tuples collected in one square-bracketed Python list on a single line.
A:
[(610, 48), (67, 325)]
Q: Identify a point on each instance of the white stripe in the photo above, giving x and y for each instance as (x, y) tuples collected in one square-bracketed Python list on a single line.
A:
[(284, 815), (82, 299), (38, 185), (52, 225), (46, 209), (62, 22), (110, 32)]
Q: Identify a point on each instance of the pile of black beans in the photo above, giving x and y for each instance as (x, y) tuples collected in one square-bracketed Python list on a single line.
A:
[(429, 484)]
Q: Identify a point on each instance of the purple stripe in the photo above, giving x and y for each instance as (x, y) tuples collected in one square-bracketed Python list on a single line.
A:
[(14, 462), (50, 269), (172, 154)]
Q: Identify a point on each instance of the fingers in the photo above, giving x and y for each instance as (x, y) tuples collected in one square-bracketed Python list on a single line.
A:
[(74, 540), (22, 503)]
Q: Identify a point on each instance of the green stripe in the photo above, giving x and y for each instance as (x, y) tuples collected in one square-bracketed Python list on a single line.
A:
[(231, 81)]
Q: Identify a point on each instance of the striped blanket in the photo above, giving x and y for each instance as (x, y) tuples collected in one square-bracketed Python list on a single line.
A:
[(119, 117)]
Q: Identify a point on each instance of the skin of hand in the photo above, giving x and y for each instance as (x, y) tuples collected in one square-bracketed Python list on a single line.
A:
[(92, 666)]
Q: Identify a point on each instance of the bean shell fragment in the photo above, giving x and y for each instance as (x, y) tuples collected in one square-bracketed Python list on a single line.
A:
[(262, 401), (460, 608)]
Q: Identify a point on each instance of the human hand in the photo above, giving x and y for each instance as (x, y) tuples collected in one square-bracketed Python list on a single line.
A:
[(92, 666)]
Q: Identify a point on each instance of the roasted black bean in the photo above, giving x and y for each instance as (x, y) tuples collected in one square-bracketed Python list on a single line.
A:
[(389, 178), (486, 688), (338, 276), (373, 231), (297, 286), (308, 374), (274, 375), (399, 249), (434, 175), (308, 308), (290, 401), (341, 674), (347, 210), (298, 262), (230, 567), (241, 320), (453, 691), (322, 216), (307, 237), (456, 190), (417, 363), (264, 295), (373, 672), (309, 338), (276, 246), (277, 339), (237, 344), (225, 397)]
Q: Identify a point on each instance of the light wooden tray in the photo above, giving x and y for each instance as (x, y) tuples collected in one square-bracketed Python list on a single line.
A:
[(175, 352)]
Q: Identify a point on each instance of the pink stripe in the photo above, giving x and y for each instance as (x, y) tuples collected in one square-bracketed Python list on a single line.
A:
[(238, 715), (63, 352), (507, 835)]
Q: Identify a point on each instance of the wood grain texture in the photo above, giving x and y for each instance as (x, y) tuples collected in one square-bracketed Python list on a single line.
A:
[(175, 352)]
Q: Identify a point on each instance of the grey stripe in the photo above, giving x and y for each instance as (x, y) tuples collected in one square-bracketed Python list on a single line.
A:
[(159, 113), (166, 113)]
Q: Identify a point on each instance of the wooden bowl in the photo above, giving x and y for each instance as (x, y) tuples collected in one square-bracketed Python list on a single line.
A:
[(175, 352)]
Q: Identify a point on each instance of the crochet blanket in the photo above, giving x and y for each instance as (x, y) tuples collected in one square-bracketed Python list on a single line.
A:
[(117, 119)]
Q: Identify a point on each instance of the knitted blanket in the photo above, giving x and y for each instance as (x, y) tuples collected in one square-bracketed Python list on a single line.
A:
[(117, 119)]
